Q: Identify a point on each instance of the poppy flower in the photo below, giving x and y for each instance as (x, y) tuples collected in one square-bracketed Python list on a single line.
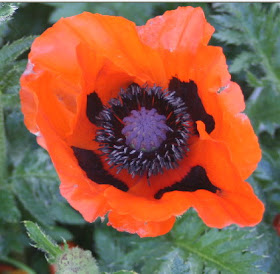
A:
[(143, 122)]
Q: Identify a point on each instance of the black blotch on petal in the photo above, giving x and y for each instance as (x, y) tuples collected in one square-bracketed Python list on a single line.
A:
[(94, 106), (90, 162), (188, 92), (194, 180)]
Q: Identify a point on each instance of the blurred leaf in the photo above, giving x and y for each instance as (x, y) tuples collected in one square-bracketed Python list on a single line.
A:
[(125, 272), (23, 24), (242, 62), (117, 251), (137, 12), (8, 209), (10, 85), (37, 261), (58, 233), (12, 239), (7, 10), (3, 30), (267, 176), (10, 52), (19, 266), (254, 26), (10, 79), (35, 183), (42, 241), (17, 148), (3, 150), (263, 109), (252, 80)]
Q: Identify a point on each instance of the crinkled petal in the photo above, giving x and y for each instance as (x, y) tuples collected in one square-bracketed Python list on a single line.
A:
[(214, 158), (236, 131), (142, 228), (36, 93), (83, 194), (29, 100), (123, 48), (181, 37), (177, 30)]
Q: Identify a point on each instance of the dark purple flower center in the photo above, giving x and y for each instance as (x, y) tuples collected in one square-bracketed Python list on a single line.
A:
[(145, 129)]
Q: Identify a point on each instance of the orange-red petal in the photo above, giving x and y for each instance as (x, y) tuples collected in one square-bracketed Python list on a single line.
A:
[(123, 48), (177, 30), (236, 131), (214, 158), (142, 228), (83, 194)]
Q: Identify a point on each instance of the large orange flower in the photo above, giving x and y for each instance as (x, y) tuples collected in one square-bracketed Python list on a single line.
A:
[(142, 123)]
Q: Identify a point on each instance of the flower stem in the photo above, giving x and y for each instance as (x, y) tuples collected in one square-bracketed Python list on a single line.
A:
[(17, 264)]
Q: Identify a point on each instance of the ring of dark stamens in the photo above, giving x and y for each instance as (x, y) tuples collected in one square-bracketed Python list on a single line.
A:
[(113, 144)]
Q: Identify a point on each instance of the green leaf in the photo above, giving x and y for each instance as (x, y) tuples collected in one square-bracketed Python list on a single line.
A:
[(10, 78), (9, 84), (8, 209), (117, 251), (253, 81), (190, 247), (173, 263), (35, 183), (42, 241), (268, 246), (10, 52), (252, 28), (7, 10), (266, 177), (225, 250), (17, 148), (230, 37), (242, 62)]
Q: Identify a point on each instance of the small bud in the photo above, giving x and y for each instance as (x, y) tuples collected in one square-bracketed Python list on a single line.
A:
[(76, 260)]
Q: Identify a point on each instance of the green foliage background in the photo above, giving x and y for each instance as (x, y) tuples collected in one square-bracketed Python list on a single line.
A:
[(249, 35)]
